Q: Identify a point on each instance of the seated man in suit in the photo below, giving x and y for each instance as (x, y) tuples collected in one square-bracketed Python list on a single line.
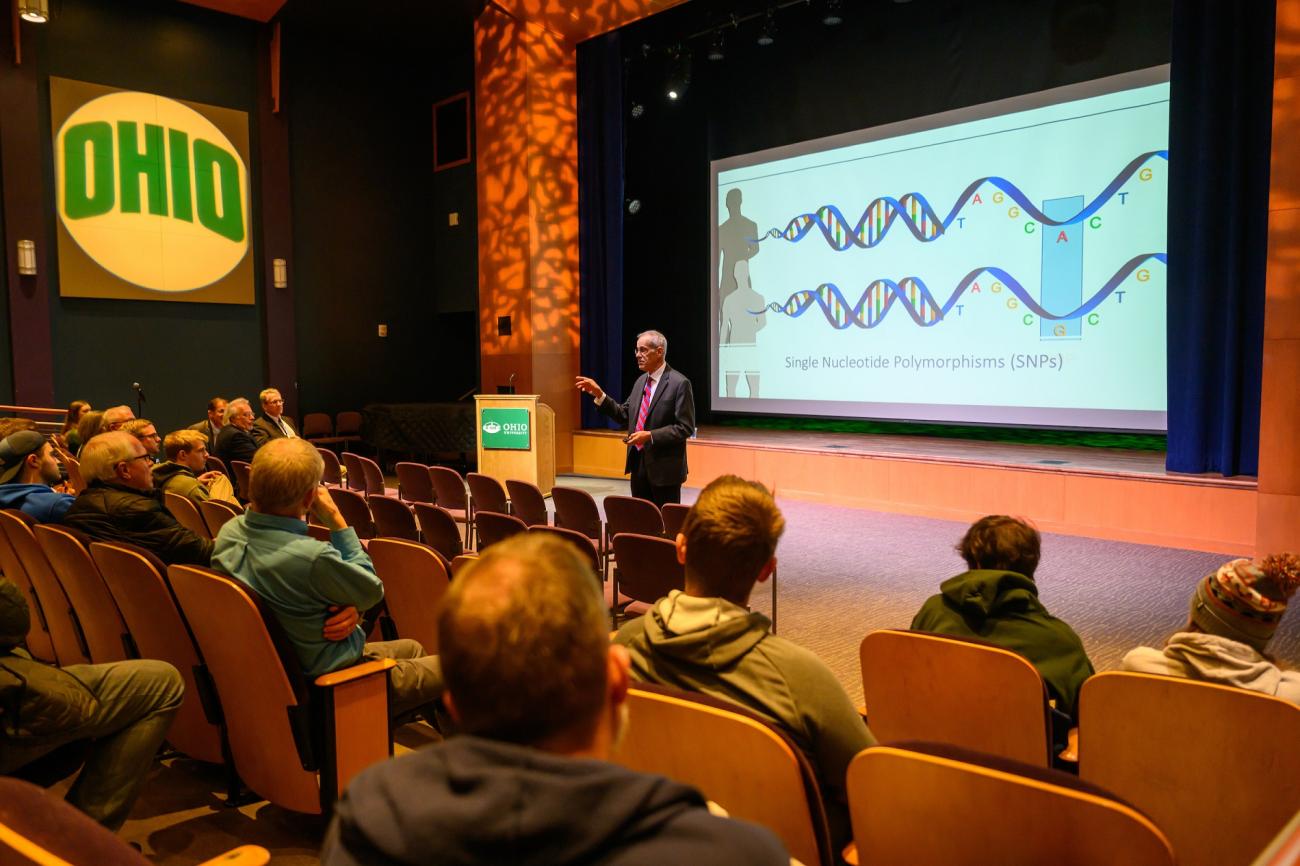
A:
[(236, 440), (705, 639), (539, 697), (211, 425), (121, 503), (272, 424), (306, 582)]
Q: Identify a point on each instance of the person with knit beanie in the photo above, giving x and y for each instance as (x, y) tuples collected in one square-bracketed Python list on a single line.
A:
[(1234, 613)]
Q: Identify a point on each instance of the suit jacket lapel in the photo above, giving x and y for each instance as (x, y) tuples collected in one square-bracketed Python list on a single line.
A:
[(659, 390)]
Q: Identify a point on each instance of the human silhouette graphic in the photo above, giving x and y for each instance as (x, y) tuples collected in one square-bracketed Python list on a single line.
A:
[(738, 343), (736, 243)]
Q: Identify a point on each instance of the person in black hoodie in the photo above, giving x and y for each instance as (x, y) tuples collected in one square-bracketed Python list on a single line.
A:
[(538, 695)]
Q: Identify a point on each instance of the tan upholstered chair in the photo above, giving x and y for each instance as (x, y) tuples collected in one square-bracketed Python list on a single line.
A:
[(738, 761), (935, 810), (186, 514), (60, 619), (39, 642), (415, 580), (921, 686), (217, 512), (101, 623), (1216, 767)]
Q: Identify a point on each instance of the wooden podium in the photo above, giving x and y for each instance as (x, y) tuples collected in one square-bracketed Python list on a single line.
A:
[(506, 456)]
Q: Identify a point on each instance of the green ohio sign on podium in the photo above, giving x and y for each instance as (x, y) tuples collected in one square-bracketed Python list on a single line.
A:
[(506, 429)]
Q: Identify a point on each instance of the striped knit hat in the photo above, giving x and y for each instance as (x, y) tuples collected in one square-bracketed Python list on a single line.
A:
[(1244, 600)]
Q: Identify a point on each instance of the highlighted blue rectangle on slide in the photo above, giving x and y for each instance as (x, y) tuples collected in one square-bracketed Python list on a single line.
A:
[(1062, 275)]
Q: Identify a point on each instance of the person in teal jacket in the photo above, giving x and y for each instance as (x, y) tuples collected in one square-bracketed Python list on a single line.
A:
[(997, 601)]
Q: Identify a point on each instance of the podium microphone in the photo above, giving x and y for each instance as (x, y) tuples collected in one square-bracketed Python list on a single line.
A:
[(509, 387)]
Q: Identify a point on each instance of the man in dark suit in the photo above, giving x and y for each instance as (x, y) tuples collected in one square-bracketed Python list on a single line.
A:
[(235, 441), (272, 424), (211, 425), (660, 417)]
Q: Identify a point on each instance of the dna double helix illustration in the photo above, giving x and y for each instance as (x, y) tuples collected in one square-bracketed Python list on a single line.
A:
[(912, 294)]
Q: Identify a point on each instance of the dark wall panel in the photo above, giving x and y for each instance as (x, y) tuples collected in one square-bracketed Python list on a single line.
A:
[(182, 353)]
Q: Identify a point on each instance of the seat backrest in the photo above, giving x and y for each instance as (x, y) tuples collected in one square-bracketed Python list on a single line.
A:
[(373, 476), (256, 695), (333, 473), (40, 830), (186, 513), (101, 623), (927, 810), (486, 492), (583, 543), (1215, 767), (356, 475), (439, 530), (576, 509), (494, 527), (39, 643), (674, 515), (413, 483), (647, 566), (1284, 850), (415, 580), (315, 424), (738, 762), (243, 473), (921, 686), (347, 424), (216, 464), (65, 632), (392, 518), (135, 578), (527, 502), (461, 562), (216, 514), (629, 514), (356, 513), (448, 488)]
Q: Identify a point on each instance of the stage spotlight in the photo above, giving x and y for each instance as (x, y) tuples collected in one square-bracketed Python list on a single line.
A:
[(716, 52), (768, 34), (679, 74), (633, 206), (832, 16), (637, 110)]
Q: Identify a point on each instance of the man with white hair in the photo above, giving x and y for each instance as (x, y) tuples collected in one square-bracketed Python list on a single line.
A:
[(272, 424), (116, 416), (236, 440), (121, 504)]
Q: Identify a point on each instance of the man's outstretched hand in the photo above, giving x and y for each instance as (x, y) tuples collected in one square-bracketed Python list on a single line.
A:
[(588, 386)]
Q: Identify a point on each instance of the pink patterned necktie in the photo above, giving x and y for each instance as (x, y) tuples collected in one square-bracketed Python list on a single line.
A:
[(645, 409)]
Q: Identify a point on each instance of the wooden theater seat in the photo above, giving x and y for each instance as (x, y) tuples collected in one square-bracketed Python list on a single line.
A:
[(107, 637), (415, 580), (65, 631)]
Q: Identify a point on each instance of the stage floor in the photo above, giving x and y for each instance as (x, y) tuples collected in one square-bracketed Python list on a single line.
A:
[(1048, 458)]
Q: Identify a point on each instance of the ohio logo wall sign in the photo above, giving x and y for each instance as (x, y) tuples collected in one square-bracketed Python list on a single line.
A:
[(152, 196)]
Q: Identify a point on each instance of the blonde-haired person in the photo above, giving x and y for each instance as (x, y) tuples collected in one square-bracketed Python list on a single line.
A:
[(706, 639), (144, 430), (121, 504), (1234, 612), (185, 471), (317, 589)]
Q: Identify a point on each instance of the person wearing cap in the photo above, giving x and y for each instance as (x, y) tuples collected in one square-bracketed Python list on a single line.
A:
[(28, 469), (1234, 613)]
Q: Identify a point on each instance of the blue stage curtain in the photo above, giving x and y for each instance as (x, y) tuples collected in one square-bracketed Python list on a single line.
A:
[(1221, 105), (600, 216)]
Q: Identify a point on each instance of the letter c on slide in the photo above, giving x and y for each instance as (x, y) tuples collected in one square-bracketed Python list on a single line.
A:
[(1029, 228)]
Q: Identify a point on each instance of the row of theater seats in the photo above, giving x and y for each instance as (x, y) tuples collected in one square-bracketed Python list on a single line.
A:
[(1170, 770)]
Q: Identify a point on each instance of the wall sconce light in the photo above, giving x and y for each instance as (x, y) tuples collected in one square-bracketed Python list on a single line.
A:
[(35, 11), (27, 258), (279, 273)]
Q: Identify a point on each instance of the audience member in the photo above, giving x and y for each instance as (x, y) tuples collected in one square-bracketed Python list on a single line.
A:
[(75, 410), (14, 425), (705, 638), (28, 471), (144, 430), (539, 696), (307, 582), (122, 711), (121, 503), (90, 426), (116, 416), (185, 472), (1234, 613), (997, 601), (235, 441), (211, 425), (272, 424)]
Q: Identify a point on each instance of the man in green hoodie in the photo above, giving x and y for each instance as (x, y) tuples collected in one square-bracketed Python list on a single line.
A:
[(705, 639), (997, 601)]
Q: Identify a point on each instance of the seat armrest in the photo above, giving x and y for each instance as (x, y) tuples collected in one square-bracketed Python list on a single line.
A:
[(356, 672), (244, 855)]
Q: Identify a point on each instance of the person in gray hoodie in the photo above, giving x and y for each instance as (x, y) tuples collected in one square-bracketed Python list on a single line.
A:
[(1234, 613), (705, 638), (538, 696)]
